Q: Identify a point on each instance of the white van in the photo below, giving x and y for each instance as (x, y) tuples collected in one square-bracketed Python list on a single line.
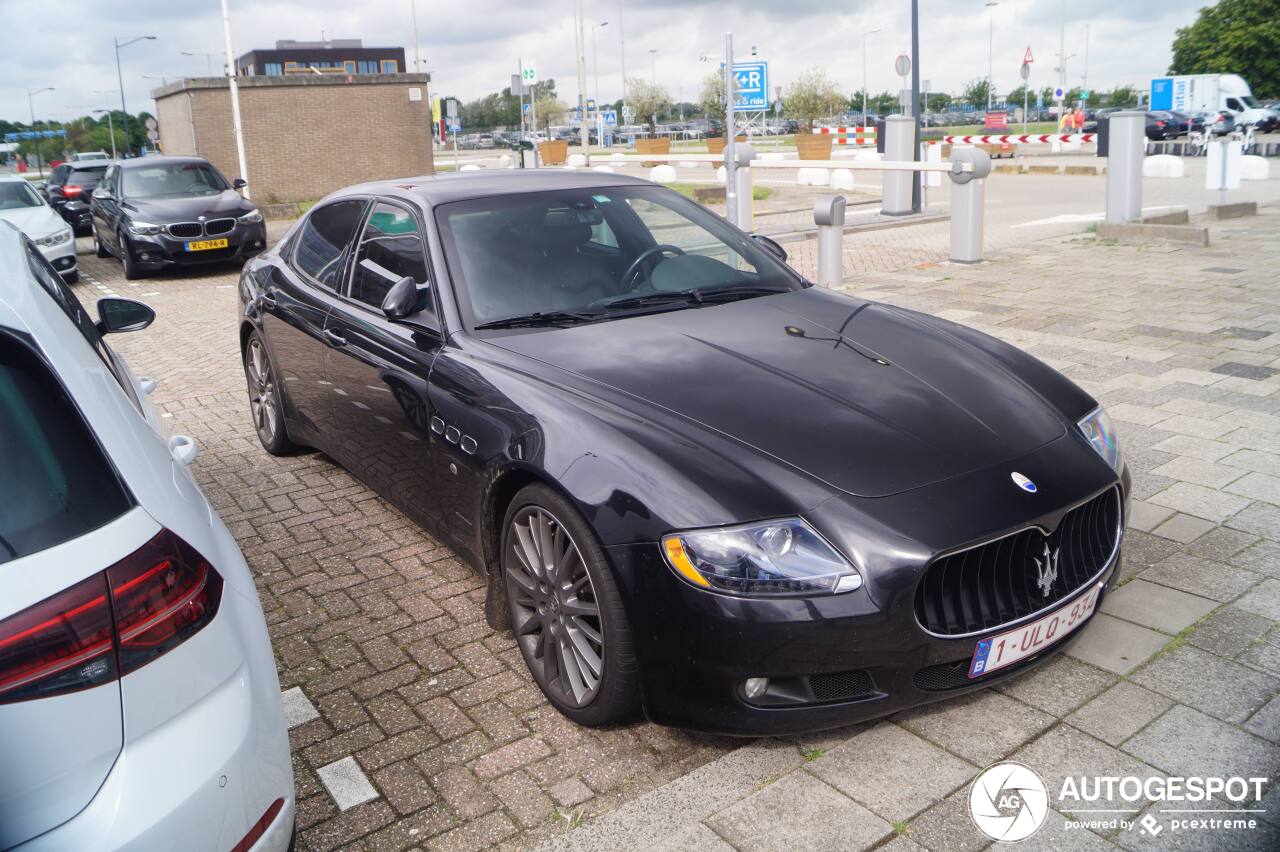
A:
[(1208, 93)]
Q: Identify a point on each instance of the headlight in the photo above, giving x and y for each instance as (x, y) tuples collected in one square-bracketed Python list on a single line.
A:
[(783, 557), (1100, 432), (57, 238), (253, 217), (143, 229)]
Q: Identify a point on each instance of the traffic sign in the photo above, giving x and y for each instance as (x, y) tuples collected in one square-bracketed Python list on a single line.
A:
[(1026, 71), (150, 123), (902, 65), (610, 117), (529, 72), (751, 86), (591, 104), (628, 114), (1027, 57), (1059, 93), (527, 107), (454, 124), (153, 135), (1084, 95)]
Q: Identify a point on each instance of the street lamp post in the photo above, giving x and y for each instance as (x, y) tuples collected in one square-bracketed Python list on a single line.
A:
[(31, 93), (111, 129), (622, 55), (991, 34), (864, 74), (237, 127), (120, 79), (208, 59), (595, 71)]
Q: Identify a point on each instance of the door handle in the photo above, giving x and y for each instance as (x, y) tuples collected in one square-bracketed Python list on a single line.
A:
[(268, 301), (334, 338)]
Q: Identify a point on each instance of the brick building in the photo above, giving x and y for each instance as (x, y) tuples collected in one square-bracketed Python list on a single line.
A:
[(305, 135)]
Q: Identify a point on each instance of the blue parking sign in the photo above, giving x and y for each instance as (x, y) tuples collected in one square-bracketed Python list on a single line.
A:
[(752, 86)]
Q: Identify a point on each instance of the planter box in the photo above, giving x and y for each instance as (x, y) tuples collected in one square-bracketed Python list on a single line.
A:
[(715, 145), (814, 146), (652, 146), (553, 153)]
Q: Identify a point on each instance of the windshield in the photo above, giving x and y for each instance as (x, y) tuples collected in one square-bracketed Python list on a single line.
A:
[(170, 179), (593, 252), (14, 195), (87, 178)]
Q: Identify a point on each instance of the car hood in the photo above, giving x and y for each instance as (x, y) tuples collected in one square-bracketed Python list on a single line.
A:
[(870, 399), (34, 221), (162, 211)]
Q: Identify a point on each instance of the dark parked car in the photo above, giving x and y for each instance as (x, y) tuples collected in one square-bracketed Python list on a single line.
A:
[(154, 212), (1161, 125), (693, 481), (70, 190)]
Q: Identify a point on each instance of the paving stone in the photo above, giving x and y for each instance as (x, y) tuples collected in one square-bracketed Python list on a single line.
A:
[(1115, 645), (1266, 722), (1257, 486), (1183, 528), (298, 709), (1199, 501), (405, 787), (1067, 752), (1263, 599), (948, 826), (892, 786), (799, 812), (1206, 682), (1158, 607), (1059, 686), (1229, 631), (1262, 558), (1260, 519), (980, 727), (346, 783), (1145, 517), (1185, 445), (696, 836), (1120, 712), (1187, 742), (1200, 472), (1203, 577), (570, 792), (1221, 544)]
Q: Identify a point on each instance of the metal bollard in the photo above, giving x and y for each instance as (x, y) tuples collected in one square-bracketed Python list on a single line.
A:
[(1126, 146), (967, 190), (828, 215), (899, 132), (743, 155)]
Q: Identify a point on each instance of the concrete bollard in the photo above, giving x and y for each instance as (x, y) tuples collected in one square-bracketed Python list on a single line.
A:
[(899, 139), (967, 190), (828, 215), (1126, 146), (743, 155)]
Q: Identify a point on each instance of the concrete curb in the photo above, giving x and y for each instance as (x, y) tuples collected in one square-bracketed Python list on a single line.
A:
[(1233, 211), (1147, 233)]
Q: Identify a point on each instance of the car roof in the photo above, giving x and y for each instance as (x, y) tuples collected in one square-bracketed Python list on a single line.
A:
[(460, 186), (151, 160), (88, 164)]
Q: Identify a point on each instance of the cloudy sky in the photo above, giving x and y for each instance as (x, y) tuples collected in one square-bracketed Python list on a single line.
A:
[(471, 46)]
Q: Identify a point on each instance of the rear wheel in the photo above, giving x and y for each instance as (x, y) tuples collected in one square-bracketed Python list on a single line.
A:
[(265, 406), (98, 248), (566, 610)]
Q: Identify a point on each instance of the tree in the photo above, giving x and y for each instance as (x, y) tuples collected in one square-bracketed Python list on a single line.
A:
[(711, 96), (1122, 96), (649, 100), (812, 96), (1231, 36), (976, 93)]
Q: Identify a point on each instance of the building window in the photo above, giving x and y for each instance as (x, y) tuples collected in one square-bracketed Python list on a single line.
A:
[(274, 69), (389, 66), (349, 65), (367, 66)]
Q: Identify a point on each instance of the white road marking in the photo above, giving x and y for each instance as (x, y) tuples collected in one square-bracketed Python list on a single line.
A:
[(346, 783), (297, 707)]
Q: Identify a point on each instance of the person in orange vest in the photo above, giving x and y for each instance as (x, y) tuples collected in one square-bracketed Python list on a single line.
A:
[(1064, 121), (1077, 120)]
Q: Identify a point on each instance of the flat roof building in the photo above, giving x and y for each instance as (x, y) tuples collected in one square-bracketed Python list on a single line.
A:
[(305, 135), (343, 56)]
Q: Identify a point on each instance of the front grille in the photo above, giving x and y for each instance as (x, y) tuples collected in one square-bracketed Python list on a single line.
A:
[(214, 227), (842, 686), (986, 586), (943, 676), (185, 230)]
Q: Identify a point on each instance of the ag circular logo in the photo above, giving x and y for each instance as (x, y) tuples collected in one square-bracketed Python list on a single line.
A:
[(1008, 802)]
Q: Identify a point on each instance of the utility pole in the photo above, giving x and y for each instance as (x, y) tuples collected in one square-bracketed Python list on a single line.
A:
[(991, 36), (730, 152), (1084, 80), (235, 97), (111, 128), (864, 74), (31, 93), (581, 39), (1062, 62), (622, 54), (915, 102), (120, 78), (417, 57), (595, 62)]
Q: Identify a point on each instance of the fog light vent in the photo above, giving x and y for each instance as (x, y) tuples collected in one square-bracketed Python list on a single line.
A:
[(754, 687)]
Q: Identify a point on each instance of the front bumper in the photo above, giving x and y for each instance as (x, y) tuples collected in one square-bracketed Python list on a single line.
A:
[(62, 256), (161, 250), (837, 659), (76, 213)]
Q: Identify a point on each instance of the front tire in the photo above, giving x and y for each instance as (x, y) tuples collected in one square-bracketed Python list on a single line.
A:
[(566, 610), (131, 270), (265, 406), (99, 249)]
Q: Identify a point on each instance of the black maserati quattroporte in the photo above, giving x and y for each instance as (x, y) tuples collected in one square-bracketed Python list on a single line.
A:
[(695, 482)]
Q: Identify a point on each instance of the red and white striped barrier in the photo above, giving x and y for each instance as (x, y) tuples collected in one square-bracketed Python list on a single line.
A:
[(1030, 139), (849, 135)]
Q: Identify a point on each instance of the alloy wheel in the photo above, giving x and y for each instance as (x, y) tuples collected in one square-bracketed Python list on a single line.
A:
[(262, 390), (555, 611)]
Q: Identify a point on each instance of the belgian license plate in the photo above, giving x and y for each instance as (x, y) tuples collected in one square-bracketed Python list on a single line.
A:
[(205, 245), (1005, 649)]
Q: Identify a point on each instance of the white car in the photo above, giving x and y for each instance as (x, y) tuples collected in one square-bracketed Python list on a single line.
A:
[(31, 214), (139, 702)]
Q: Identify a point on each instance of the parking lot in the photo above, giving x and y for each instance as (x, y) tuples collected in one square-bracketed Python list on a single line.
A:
[(404, 702)]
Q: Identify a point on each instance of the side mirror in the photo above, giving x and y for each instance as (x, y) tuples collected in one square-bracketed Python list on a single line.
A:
[(41, 185), (402, 299), (771, 245), (102, 194), (116, 315), (239, 183)]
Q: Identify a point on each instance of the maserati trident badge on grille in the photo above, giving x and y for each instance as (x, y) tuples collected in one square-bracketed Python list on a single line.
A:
[(1046, 570), (1022, 482)]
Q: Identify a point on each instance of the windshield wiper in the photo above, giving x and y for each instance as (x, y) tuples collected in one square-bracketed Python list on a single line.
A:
[(696, 296), (541, 318)]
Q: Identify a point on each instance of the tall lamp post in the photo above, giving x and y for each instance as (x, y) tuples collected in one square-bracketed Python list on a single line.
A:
[(622, 54), (111, 128), (120, 79), (31, 93), (864, 74), (208, 59), (236, 126), (595, 71), (991, 36)]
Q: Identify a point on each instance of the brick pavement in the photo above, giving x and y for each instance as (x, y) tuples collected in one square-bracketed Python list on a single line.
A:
[(396, 686)]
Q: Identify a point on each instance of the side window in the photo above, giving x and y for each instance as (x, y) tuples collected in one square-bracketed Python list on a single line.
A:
[(390, 249), (321, 244), (1233, 104)]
